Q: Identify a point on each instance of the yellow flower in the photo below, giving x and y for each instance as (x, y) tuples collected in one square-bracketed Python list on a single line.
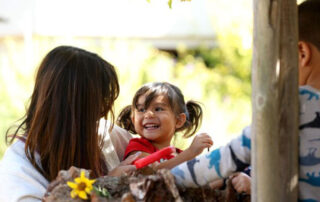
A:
[(81, 187)]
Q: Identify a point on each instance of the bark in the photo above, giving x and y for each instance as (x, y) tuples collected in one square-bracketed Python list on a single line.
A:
[(275, 101)]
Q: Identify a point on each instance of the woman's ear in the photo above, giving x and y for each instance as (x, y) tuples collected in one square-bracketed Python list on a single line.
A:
[(304, 51), (181, 119)]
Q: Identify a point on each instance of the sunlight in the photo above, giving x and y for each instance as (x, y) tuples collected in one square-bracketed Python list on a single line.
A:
[(212, 41)]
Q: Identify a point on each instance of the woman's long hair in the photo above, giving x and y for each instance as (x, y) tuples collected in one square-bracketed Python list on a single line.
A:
[(73, 90)]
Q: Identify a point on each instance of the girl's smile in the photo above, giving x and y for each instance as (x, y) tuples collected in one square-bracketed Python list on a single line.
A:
[(151, 126), (157, 122)]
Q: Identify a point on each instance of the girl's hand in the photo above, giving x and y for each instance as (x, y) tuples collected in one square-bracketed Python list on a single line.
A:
[(199, 143), (125, 166), (241, 182)]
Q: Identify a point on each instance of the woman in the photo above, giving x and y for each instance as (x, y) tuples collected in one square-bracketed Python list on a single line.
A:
[(74, 89)]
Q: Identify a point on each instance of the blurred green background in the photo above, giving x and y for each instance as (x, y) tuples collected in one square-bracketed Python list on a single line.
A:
[(217, 76)]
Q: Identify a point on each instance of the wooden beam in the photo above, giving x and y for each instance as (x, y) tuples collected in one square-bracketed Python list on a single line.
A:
[(275, 101)]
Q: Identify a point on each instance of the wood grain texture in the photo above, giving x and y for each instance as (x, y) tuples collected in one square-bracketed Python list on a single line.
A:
[(275, 101)]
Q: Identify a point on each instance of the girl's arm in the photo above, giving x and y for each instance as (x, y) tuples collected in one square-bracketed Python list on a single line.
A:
[(199, 143)]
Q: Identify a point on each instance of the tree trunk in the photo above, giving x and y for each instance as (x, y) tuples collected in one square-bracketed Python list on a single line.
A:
[(275, 101)]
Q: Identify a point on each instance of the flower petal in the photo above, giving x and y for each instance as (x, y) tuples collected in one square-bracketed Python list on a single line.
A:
[(78, 180), (88, 189), (85, 180), (83, 195), (82, 176), (73, 194), (72, 185)]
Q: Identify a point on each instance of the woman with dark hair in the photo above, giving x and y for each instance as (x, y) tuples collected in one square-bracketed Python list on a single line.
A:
[(73, 90)]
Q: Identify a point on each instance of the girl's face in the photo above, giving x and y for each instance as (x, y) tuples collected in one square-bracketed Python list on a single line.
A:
[(157, 123)]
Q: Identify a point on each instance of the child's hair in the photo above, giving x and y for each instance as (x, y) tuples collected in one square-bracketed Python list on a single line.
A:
[(309, 22), (192, 109), (74, 88)]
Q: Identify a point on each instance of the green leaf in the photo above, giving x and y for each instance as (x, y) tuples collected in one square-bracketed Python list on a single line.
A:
[(103, 192)]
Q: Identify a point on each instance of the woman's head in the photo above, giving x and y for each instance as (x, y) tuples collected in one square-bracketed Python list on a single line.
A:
[(73, 81), (74, 88), (150, 104)]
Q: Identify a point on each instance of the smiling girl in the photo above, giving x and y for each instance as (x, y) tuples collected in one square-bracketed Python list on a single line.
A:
[(157, 112)]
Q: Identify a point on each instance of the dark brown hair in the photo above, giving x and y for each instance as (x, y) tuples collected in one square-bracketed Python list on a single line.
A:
[(309, 22), (192, 109), (74, 88)]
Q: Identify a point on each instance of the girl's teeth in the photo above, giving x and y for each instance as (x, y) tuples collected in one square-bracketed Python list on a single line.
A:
[(150, 126)]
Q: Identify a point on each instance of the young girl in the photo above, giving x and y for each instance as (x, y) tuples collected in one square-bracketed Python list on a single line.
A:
[(157, 112), (73, 90)]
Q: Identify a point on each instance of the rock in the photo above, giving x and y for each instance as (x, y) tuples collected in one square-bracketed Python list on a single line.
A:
[(61, 193), (159, 186), (127, 197)]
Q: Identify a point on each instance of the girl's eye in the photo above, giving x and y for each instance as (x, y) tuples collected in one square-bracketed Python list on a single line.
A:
[(141, 109), (159, 109)]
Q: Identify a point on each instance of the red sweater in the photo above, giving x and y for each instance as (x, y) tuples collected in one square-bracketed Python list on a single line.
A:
[(143, 145)]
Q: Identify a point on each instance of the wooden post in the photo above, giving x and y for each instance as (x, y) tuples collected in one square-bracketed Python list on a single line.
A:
[(275, 101)]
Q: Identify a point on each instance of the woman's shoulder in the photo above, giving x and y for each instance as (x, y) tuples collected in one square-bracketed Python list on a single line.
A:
[(22, 179), (115, 140), (14, 152), (116, 134), (120, 133)]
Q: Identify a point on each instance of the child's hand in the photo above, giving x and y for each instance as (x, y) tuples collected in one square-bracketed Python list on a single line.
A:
[(241, 182), (199, 143), (125, 166), (217, 184)]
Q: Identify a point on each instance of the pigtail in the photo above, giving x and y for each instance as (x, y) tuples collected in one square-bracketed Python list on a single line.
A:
[(124, 119), (194, 118)]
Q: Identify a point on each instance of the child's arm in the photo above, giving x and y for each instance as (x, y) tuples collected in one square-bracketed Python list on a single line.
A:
[(241, 182), (219, 163), (199, 143), (218, 184)]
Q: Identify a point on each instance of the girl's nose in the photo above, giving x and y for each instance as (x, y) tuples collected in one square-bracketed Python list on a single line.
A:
[(149, 114)]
